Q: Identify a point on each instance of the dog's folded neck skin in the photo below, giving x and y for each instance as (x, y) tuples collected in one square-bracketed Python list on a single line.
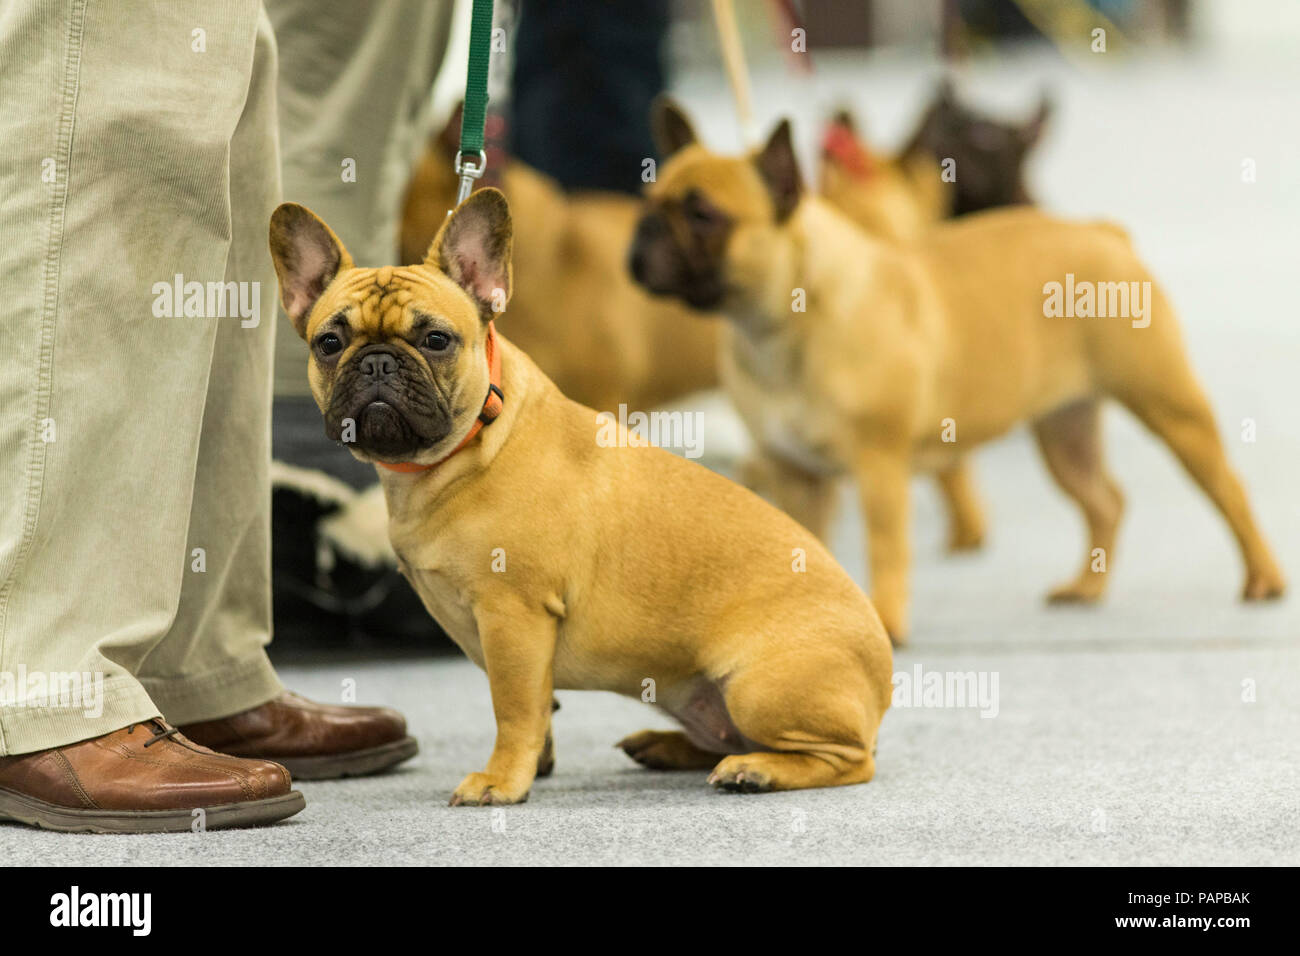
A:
[(806, 267), (769, 331), (432, 484)]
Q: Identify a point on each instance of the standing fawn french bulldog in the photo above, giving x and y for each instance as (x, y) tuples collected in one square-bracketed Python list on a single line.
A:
[(849, 355), (557, 560)]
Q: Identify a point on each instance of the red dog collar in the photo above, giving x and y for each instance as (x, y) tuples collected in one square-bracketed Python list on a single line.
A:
[(841, 145), (492, 407)]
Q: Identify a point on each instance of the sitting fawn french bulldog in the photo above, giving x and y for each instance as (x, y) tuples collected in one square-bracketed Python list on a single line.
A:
[(557, 561), (848, 355)]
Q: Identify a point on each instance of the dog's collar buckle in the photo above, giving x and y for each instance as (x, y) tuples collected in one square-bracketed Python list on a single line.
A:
[(493, 405)]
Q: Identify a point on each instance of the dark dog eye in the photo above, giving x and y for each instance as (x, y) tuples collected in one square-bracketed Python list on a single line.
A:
[(701, 217), (437, 341), (329, 344)]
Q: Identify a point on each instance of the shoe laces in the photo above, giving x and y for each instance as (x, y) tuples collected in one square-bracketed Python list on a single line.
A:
[(162, 732)]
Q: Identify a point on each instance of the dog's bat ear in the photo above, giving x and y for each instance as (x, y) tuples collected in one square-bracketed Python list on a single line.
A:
[(307, 257), (844, 117), (780, 171), (1032, 131), (922, 139), (669, 125), (473, 248)]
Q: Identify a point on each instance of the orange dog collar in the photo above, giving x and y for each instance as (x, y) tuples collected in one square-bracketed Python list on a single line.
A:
[(493, 405)]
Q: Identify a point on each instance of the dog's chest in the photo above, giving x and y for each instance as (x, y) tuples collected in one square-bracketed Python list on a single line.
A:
[(788, 430), (448, 606), (787, 422)]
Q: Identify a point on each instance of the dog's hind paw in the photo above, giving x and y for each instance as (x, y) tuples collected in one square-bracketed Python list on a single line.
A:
[(1263, 585), (740, 775), (666, 750)]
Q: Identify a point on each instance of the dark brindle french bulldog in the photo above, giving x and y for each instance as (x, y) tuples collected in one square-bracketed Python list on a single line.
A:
[(989, 156)]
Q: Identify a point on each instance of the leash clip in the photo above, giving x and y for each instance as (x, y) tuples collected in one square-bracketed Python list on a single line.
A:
[(468, 172)]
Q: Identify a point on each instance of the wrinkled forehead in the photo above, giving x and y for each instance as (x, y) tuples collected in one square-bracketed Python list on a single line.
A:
[(731, 183), (390, 300)]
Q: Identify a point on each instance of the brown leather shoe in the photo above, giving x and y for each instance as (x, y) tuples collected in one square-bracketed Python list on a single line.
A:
[(315, 741), (145, 778)]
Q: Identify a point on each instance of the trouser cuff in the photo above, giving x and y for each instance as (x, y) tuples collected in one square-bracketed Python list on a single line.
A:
[(215, 694)]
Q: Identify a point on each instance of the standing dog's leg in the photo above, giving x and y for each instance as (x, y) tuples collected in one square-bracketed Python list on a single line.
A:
[(1183, 419), (883, 474), (518, 648), (807, 498), (965, 517), (1070, 440), (1157, 384)]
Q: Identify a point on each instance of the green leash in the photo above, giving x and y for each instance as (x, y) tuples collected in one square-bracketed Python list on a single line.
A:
[(471, 160)]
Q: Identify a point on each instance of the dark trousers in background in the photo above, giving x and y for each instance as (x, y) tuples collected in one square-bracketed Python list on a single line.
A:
[(585, 74)]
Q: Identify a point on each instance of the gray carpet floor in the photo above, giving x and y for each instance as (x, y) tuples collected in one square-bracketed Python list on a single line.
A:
[(1162, 727)]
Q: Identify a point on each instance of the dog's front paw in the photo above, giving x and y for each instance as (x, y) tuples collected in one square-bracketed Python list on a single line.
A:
[(1085, 589), (482, 790)]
